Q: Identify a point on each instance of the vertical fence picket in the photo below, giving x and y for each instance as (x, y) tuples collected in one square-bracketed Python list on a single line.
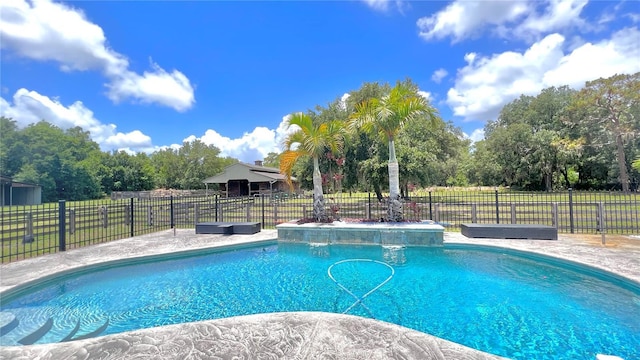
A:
[(571, 225), (474, 213), (132, 221), (28, 231), (62, 221), (72, 221), (497, 208), (172, 213)]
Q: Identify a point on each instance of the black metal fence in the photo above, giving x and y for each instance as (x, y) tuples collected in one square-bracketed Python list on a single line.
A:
[(28, 231)]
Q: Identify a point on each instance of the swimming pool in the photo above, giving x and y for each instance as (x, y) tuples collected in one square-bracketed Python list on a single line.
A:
[(492, 301)]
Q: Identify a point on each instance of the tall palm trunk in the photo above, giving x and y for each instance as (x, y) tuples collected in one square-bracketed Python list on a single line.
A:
[(394, 207), (319, 212)]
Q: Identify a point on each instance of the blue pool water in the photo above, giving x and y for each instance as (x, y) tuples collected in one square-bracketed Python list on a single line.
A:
[(492, 301)]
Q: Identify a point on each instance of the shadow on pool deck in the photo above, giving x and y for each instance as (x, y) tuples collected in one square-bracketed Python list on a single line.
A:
[(299, 335)]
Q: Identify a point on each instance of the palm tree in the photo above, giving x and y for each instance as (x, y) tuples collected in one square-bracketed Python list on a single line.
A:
[(386, 116), (313, 140)]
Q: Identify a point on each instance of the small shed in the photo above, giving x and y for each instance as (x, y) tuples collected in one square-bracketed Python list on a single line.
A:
[(241, 179), (19, 193)]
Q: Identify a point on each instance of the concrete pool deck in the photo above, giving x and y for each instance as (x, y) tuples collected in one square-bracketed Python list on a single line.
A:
[(299, 335)]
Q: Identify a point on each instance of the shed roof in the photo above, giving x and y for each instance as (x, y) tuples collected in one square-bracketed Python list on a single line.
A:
[(5, 180), (242, 171)]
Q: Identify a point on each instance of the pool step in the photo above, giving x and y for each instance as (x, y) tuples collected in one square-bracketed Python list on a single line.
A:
[(38, 334), (12, 322), (94, 333), (8, 322), (72, 333)]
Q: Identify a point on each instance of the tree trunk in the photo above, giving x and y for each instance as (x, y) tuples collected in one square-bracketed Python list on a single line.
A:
[(622, 164), (376, 188), (394, 207), (319, 211), (394, 178), (548, 181), (565, 175)]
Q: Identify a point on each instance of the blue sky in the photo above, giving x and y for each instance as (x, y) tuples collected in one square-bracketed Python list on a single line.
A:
[(145, 75)]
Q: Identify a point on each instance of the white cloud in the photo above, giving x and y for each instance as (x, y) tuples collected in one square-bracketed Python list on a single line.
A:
[(486, 84), (46, 31), (158, 86), (527, 19), (476, 135), (438, 75), (470, 57), (343, 100), (384, 5), (30, 107), (461, 19), (620, 54), (559, 14), (134, 139), (379, 5), (255, 145), (634, 17), (425, 94)]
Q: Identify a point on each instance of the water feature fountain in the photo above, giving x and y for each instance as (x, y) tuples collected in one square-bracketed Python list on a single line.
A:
[(423, 233)]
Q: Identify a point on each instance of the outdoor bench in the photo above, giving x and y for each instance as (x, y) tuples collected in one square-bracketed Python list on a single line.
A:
[(228, 228), (510, 231)]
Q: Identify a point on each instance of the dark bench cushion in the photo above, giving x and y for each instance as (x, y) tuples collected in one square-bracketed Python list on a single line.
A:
[(510, 231), (214, 228), (246, 228), (228, 228)]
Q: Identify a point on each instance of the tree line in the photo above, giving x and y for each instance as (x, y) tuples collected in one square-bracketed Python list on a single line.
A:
[(585, 139), (68, 165), (560, 138)]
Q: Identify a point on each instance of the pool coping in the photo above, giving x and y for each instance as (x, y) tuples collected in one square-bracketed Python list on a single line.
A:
[(309, 334)]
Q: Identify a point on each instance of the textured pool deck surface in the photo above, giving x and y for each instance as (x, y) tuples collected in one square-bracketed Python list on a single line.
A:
[(299, 335)]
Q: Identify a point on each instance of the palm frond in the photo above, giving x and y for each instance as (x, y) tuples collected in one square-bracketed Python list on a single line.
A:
[(287, 160)]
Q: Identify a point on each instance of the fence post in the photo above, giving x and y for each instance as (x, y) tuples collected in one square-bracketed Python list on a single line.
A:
[(105, 216), (150, 215), (554, 215), (62, 225), (368, 207), (262, 201), (132, 219), (437, 217), (196, 213), (497, 209), (474, 213), (275, 213), (601, 224), (216, 207), (127, 215), (430, 210), (171, 216), (248, 212), (513, 213), (571, 210), (28, 236), (72, 221)]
